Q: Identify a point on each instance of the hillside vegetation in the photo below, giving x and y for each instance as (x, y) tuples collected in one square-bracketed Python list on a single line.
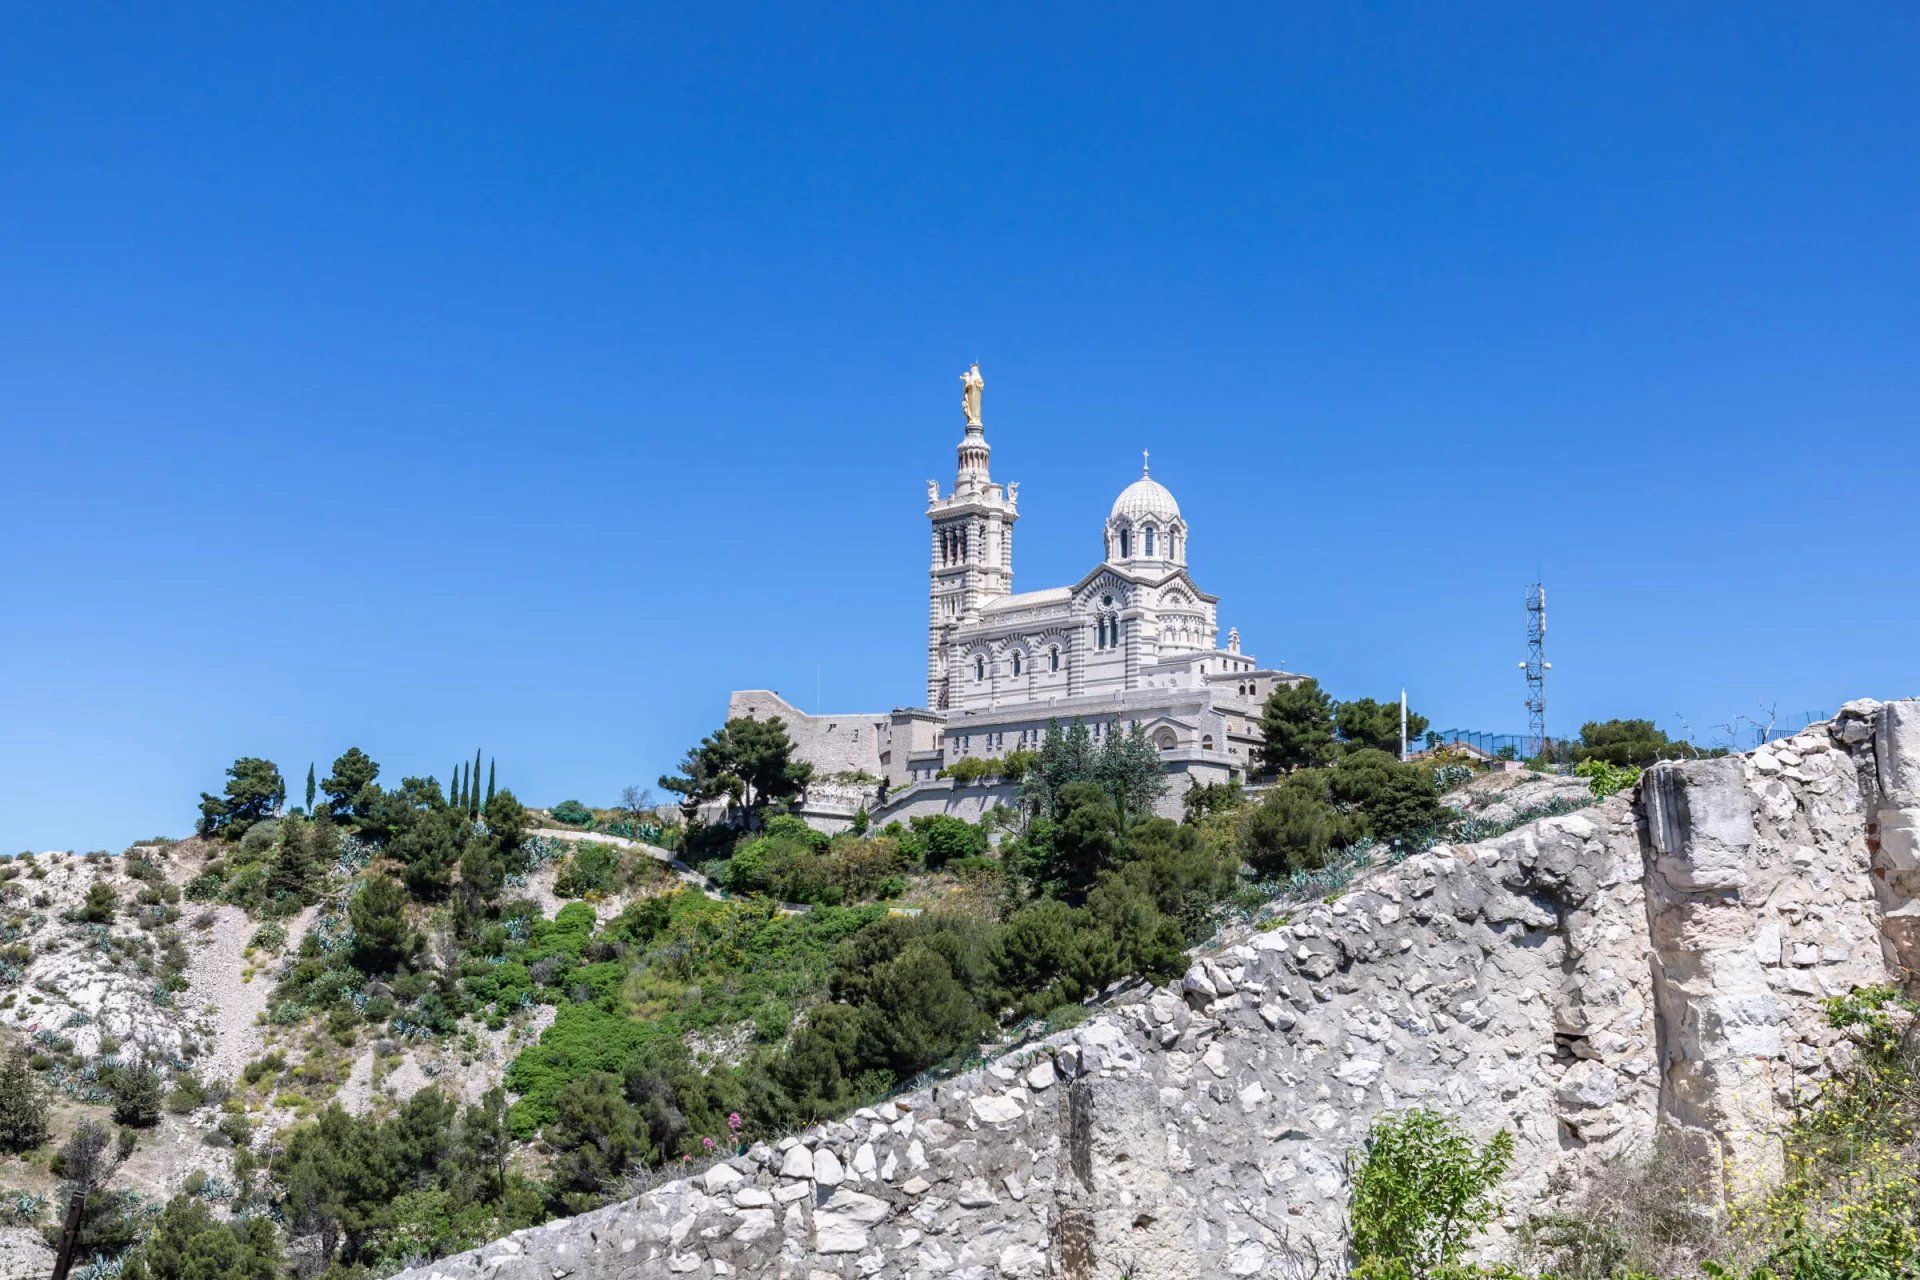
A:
[(456, 1016)]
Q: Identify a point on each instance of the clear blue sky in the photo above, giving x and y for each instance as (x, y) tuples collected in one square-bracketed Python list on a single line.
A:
[(432, 377)]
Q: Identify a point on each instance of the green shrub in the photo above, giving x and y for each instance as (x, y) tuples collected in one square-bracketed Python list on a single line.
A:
[(937, 839), (259, 838), (592, 868), (1604, 778), (573, 813), (247, 886), (204, 887), (968, 770), (135, 1092), (236, 1128), (583, 1039), (597, 1136), (1422, 1189), (186, 1095), (267, 1064), (268, 937), (100, 905)]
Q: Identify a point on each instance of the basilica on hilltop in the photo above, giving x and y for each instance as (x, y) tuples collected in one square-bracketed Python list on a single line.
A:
[(1133, 642)]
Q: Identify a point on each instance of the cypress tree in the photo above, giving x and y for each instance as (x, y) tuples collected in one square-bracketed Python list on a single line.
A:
[(491, 765), (473, 787), (453, 789), (310, 790)]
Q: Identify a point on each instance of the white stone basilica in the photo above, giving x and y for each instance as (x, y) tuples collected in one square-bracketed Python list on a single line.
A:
[(1134, 642)]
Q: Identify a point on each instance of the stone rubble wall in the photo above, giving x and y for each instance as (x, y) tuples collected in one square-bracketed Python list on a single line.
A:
[(1659, 960)]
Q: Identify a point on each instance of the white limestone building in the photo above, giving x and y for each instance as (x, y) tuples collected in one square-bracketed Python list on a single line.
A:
[(1135, 641)]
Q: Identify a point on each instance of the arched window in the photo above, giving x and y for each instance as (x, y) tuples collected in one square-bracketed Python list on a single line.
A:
[(1206, 743), (1149, 540), (979, 669), (1126, 544), (1016, 664), (1053, 658)]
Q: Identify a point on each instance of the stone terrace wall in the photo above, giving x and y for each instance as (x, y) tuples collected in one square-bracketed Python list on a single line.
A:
[(1659, 959)]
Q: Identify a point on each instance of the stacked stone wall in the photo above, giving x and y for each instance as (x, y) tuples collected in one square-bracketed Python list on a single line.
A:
[(1656, 962)]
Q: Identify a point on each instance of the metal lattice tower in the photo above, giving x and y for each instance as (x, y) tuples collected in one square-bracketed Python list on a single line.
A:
[(1536, 667)]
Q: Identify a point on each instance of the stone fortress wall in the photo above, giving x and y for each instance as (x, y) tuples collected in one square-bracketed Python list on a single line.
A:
[(832, 744), (1656, 961)]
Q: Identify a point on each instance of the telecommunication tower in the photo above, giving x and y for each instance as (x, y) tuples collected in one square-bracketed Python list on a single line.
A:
[(1536, 666)]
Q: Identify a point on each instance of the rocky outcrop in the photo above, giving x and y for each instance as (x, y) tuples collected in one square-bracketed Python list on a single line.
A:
[(1658, 961)]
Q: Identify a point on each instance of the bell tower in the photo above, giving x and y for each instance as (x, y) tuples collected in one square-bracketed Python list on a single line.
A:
[(972, 545)]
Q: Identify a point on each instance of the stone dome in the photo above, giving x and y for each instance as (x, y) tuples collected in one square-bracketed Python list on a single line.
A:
[(1146, 498)]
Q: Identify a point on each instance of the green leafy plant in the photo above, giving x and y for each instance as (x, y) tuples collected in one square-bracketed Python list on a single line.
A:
[(1422, 1189), (1605, 778)]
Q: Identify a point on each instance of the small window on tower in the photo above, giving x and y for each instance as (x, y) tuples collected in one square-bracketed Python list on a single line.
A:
[(1126, 544), (1053, 658), (1149, 539), (979, 668), (1016, 664)]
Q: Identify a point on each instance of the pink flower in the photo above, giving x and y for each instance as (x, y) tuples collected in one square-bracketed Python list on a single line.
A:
[(733, 1121), (707, 1143)]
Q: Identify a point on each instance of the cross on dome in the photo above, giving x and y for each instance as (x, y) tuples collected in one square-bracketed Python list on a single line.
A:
[(1145, 499)]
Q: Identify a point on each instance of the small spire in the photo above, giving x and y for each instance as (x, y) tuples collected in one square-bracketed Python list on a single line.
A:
[(1143, 464)]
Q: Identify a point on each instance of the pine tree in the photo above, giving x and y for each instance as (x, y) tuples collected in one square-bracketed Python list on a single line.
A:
[(23, 1105), (490, 768), (310, 789), (473, 787), (295, 869)]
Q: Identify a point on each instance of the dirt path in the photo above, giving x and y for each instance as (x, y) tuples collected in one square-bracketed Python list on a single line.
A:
[(232, 1000)]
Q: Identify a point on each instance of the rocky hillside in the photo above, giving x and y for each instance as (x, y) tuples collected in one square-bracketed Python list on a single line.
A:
[(105, 963), (1655, 966)]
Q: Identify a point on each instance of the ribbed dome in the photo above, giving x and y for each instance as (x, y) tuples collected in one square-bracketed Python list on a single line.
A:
[(1143, 498)]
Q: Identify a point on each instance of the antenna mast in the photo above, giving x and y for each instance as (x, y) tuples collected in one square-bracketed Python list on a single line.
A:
[(1536, 667)]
